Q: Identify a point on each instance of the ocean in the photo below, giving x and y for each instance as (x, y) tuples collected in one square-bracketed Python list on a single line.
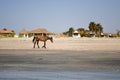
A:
[(58, 75)]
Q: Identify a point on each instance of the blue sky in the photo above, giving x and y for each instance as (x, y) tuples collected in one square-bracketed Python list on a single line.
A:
[(59, 15)]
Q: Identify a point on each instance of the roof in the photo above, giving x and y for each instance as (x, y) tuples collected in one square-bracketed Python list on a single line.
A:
[(24, 32), (75, 32), (41, 30), (6, 31)]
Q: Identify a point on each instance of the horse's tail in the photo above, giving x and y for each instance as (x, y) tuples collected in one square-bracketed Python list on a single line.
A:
[(33, 39)]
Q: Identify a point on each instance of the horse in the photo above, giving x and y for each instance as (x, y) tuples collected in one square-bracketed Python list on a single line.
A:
[(36, 39)]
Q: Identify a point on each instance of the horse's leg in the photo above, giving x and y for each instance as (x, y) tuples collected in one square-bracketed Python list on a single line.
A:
[(38, 44), (34, 44), (44, 46)]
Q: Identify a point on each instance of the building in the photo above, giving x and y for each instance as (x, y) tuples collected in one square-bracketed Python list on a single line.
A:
[(40, 31), (7, 33), (76, 34), (24, 33)]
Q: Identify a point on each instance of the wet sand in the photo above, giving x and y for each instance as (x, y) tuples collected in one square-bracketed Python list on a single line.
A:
[(59, 65), (59, 60)]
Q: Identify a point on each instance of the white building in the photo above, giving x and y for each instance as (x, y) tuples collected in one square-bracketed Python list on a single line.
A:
[(76, 34)]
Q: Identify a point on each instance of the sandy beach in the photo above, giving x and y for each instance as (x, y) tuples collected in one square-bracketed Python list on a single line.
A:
[(76, 44), (65, 59), (105, 51)]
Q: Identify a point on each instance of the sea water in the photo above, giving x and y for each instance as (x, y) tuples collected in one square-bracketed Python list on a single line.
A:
[(58, 75)]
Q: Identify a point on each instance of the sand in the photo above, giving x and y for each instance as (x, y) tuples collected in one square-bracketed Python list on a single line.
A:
[(57, 60), (76, 44), (65, 59), (64, 54)]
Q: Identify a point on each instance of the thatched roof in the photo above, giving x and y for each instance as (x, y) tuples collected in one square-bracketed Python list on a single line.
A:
[(40, 30), (6, 31), (24, 32)]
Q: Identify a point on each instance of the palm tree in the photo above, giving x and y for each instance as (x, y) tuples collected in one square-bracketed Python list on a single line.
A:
[(92, 27), (118, 33), (95, 28), (71, 30), (99, 29), (81, 31)]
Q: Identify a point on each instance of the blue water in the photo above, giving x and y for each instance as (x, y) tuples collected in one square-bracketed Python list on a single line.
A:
[(36, 75)]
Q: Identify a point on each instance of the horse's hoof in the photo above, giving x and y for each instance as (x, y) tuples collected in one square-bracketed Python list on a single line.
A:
[(44, 47)]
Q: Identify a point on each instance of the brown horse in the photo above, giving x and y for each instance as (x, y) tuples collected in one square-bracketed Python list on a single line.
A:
[(36, 39)]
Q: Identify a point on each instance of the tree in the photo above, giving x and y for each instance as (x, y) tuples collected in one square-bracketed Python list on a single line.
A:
[(118, 33), (99, 29), (65, 33), (81, 31), (70, 32), (92, 27), (95, 28), (4, 29), (13, 31)]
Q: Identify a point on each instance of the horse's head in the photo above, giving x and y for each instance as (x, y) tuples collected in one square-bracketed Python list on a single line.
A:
[(51, 39)]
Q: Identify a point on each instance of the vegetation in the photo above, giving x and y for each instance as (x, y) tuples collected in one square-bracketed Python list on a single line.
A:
[(4, 29), (21, 35), (69, 32), (81, 31), (94, 29), (10, 33), (118, 33)]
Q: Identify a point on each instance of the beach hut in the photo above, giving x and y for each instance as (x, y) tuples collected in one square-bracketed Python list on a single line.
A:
[(23, 34), (7, 33), (40, 31), (76, 34)]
